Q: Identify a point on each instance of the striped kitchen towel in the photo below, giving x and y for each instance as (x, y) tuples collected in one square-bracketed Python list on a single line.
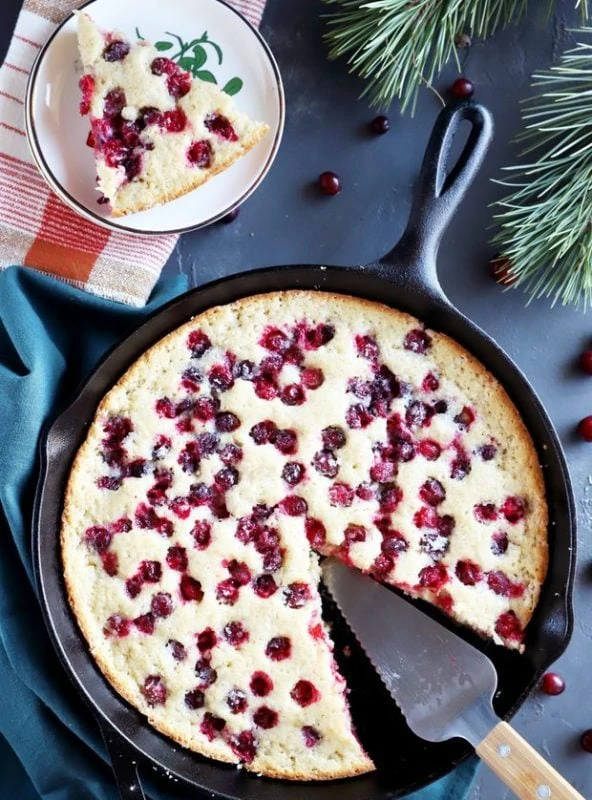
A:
[(36, 228)]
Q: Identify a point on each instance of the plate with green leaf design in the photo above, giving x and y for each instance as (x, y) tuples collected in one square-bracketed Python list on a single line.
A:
[(207, 38)]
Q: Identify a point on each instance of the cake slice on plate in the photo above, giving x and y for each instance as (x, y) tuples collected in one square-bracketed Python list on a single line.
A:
[(156, 131)]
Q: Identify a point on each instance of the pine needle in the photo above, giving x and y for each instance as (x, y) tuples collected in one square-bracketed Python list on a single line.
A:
[(545, 221)]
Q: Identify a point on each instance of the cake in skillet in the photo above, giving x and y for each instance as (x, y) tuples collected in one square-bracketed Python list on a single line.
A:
[(157, 133), (237, 451)]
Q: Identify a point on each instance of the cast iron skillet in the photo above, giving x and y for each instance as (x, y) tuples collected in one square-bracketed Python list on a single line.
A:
[(406, 279)]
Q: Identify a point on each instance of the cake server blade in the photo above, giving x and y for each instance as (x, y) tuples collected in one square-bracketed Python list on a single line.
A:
[(443, 685)]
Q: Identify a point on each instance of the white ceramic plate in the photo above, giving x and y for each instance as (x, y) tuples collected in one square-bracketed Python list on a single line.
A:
[(235, 55)]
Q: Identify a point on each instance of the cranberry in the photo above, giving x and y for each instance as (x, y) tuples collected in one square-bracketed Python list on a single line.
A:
[(195, 699), (418, 414), (227, 219), (357, 416), (220, 378), (432, 492), (461, 89), (117, 625), (180, 507), (247, 529), (389, 497), (212, 725), (325, 462), (162, 604), (221, 126), (165, 408), (304, 693), (235, 633), (382, 566), (150, 571), (110, 563), (202, 534), (87, 87), (116, 51), (244, 746), (145, 623), (502, 271), (586, 741), (162, 445), (239, 572), (264, 432), (312, 378), (552, 683), (279, 648), (383, 471), (245, 370), (261, 684), (429, 449), (508, 627), (426, 518), (109, 482), (297, 595), (265, 718), (417, 340), (292, 395), (164, 66), (499, 583), (191, 589), (354, 533), (154, 690), (341, 494), (206, 444), (294, 506), (226, 478), (189, 458), (394, 543), (311, 735), (177, 650), (329, 183), (227, 592), (205, 672), (514, 509), (433, 577), (205, 408), (585, 361), (293, 472), (585, 428), (446, 524), (265, 387), (403, 449), (199, 154), (319, 336), (465, 418), (226, 422), (179, 84), (199, 494), (380, 124), (487, 452), (468, 572), (485, 512), (98, 538), (114, 103), (236, 700), (231, 454), (206, 640), (264, 586), (434, 544), (315, 532), (149, 116), (499, 543), (333, 437), (133, 586)]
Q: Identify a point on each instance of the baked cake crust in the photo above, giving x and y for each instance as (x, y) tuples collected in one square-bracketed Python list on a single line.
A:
[(480, 552)]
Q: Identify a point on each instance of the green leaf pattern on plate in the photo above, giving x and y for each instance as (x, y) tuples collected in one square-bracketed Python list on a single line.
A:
[(193, 55)]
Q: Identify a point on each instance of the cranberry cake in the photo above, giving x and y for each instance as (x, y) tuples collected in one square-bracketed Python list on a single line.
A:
[(240, 449), (157, 133)]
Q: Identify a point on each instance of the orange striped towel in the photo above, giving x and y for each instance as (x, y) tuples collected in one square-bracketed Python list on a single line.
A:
[(36, 228)]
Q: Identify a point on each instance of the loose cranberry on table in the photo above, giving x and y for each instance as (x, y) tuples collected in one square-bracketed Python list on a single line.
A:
[(552, 683), (586, 361), (231, 216), (501, 271), (329, 183), (380, 124), (462, 89), (585, 428), (586, 741)]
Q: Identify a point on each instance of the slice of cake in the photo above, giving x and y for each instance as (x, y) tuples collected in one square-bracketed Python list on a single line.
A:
[(157, 133), (239, 448)]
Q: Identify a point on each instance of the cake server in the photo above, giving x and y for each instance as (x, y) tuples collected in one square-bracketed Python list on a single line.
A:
[(443, 685)]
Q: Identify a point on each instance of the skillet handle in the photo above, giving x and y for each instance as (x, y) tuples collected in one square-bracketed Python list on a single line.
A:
[(438, 193), (124, 765)]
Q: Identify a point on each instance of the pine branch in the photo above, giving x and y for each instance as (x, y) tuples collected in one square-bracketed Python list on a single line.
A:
[(545, 221), (396, 45)]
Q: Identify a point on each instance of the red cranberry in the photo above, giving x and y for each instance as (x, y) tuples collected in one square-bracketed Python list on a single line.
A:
[(243, 745), (264, 586), (552, 683), (341, 494), (485, 512), (162, 604), (499, 583), (389, 497), (227, 592), (429, 449), (432, 492), (292, 395), (195, 699), (433, 577), (585, 428), (294, 506), (221, 126), (310, 735), (133, 586), (304, 693), (236, 700), (586, 361), (145, 623), (264, 432), (226, 478), (367, 347), (297, 594), (586, 741), (261, 684), (114, 103), (154, 690), (177, 650), (212, 725), (98, 538), (279, 648), (315, 532), (235, 633), (468, 572), (434, 544), (163, 66), (165, 408), (357, 416), (417, 340), (265, 718), (226, 422), (501, 271), (426, 518), (150, 571), (382, 566), (293, 473), (199, 154), (465, 418), (228, 218), (205, 672), (265, 387), (179, 84), (87, 87), (430, 383), (176, 558), (191, 589), (333, 437), (460, 467), (499, 543), (116, 51), (383, 471), (461, 89), (329, 183), (109, 482), (380, 124), (312, 378), (231, 454), (220, 378), (110, 563), (354, 533), (487, 452), (117, 625), (446, 525), (175, 121), (325, 463), (365, 491), (239, 572), (206, 640), (189, 458), (514, 509), (202, 534), (320, 335), (508, 627), (393, 544)]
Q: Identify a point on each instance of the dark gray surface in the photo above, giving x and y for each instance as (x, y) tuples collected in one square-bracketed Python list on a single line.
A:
[(287, 222)]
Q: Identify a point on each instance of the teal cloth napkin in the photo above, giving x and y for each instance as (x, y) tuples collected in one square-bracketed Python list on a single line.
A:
[(51, 335)]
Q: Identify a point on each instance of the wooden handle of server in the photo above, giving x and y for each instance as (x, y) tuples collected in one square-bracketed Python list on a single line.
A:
[(521, 768)]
